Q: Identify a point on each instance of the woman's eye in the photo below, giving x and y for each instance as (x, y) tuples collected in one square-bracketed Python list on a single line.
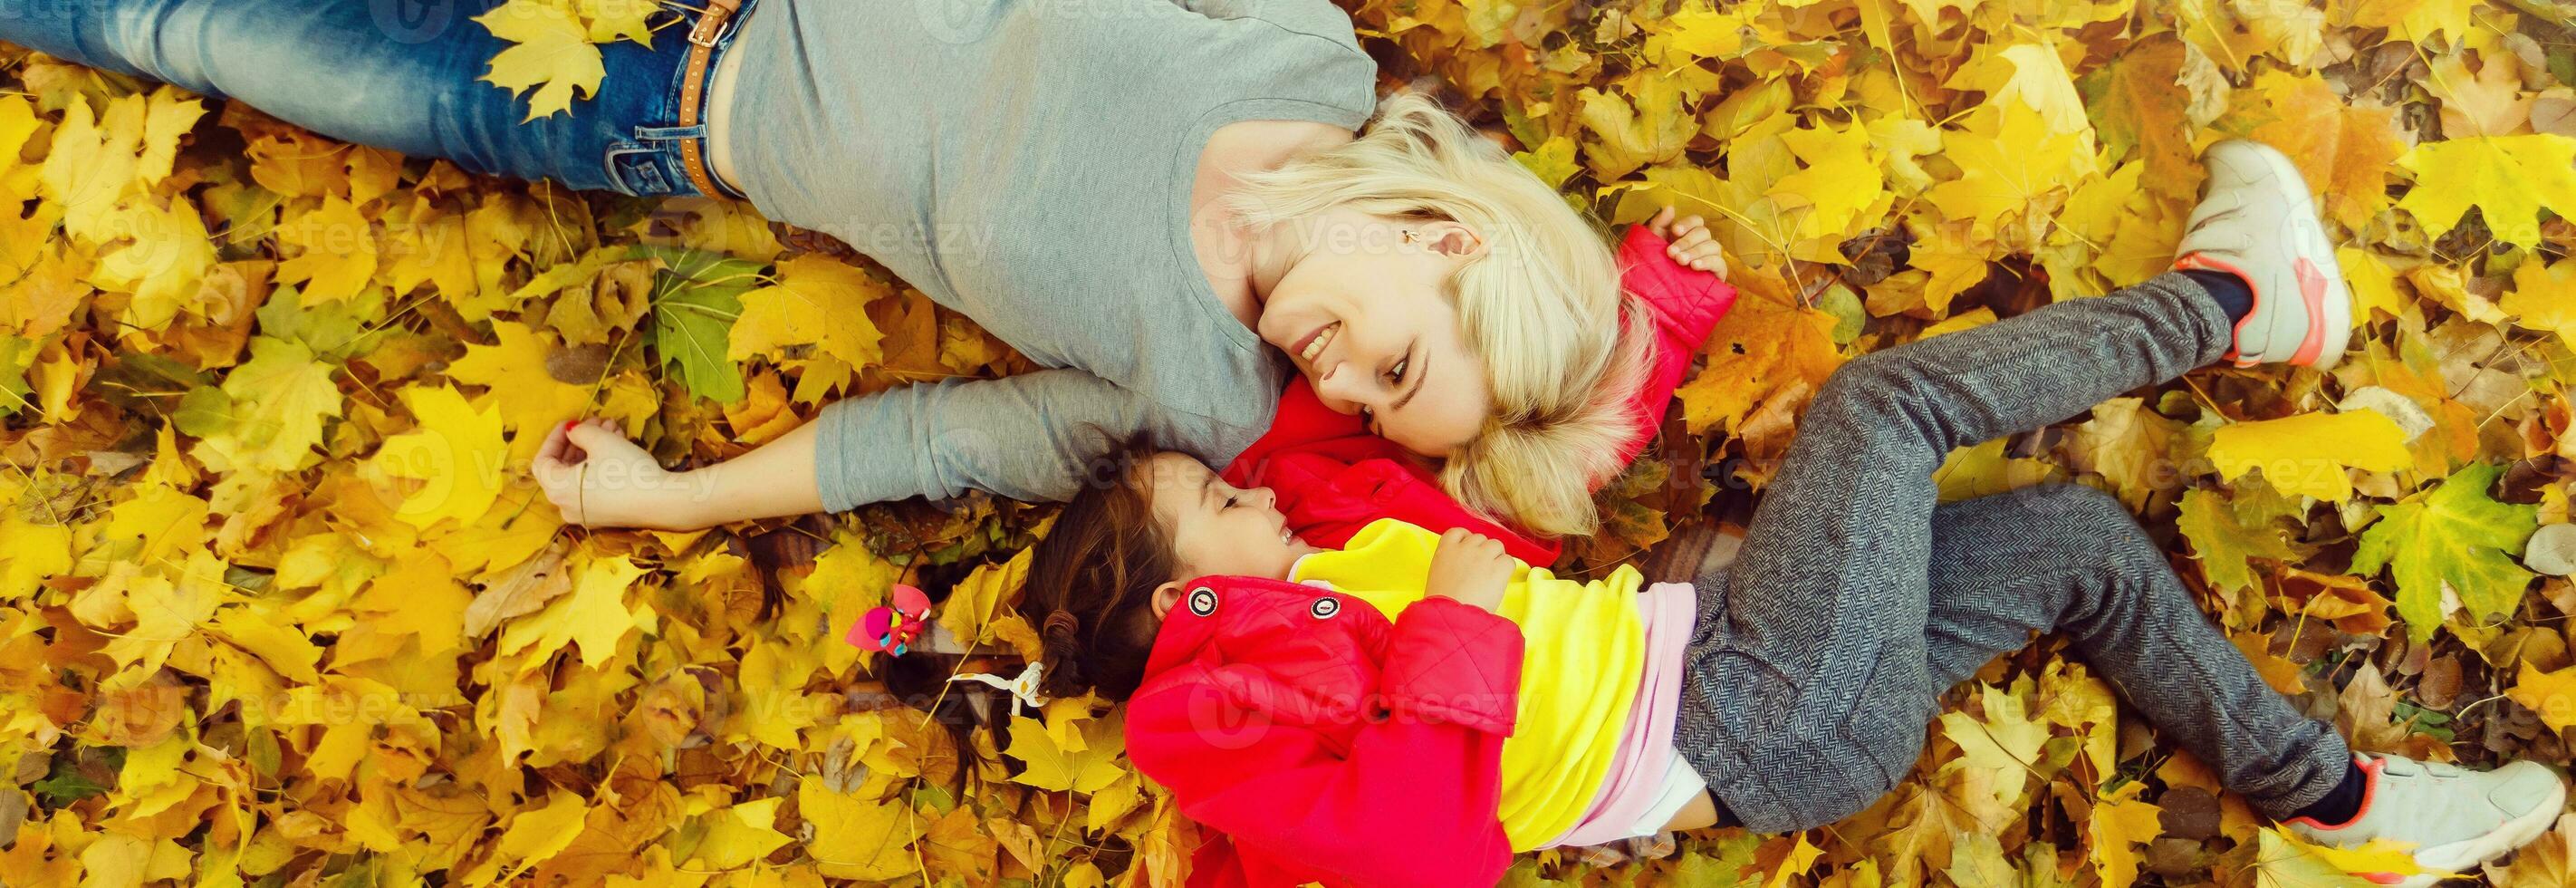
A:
[(1397, 375), (1229, 502)]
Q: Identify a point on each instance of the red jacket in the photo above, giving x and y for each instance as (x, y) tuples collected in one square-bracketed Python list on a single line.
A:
[(1332, 477), (1322, 743)]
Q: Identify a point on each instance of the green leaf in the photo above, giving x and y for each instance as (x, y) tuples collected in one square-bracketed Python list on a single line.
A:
[(695, 303), (205, 411), (142, 382), (333, 330), (17, 353), (2451, 536), (2224, 544)]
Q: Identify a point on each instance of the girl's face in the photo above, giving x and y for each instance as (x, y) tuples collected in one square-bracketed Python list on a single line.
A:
[(1365, 316), (1217, 528)]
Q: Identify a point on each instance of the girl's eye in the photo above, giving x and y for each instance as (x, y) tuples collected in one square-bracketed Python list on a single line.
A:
[(1397, 375), (1229, 502)]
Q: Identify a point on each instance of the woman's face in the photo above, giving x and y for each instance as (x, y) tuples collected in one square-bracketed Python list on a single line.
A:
[(1217, 528), (1364, 315)]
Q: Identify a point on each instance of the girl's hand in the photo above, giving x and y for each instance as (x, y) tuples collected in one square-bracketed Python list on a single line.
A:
[(597, 478), (1692, 245), (1471, 568)]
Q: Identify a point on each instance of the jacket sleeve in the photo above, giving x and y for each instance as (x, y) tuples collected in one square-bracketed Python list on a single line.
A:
[(1412, 800), (1683, 304), (1021, 437)]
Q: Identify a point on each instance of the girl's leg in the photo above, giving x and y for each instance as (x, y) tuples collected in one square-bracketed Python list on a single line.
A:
[(398, 74), (2070, 558), (1810, 654)]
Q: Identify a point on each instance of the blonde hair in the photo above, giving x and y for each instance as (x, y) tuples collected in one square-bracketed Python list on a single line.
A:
[(1541, 305)]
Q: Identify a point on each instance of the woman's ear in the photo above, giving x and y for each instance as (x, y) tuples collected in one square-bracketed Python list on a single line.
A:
[(1165, 596), (1451, 239)]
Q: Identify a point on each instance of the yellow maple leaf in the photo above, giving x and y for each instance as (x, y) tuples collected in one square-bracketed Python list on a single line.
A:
[(167, 115), (2308, 453), (553, 54), (1801, 858), (2009, 157), (739, 835), (419, 597), (1692, 33), (594, 616), (2544, 298), (970, 608), (1642, 127), (163, 520), (531, 400), (1764, 346), (619, 19), (278, 644), (2550, 695), (279, 399), (18, 123), (94, 161), (2374, 285), (339, 252), (162, 264), (2000, 749), (1052, 767), (31, 551), (818, 301), (1841, 184), (2032, 75), (166, 613), (2343, 150), (2510, 178), (535, 835), (857, 838), (456, 451)]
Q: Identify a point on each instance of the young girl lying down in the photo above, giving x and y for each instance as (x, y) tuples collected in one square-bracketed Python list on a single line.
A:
[(1411, 708)]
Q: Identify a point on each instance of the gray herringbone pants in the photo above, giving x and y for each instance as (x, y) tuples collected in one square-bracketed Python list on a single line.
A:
[(1857, 600)]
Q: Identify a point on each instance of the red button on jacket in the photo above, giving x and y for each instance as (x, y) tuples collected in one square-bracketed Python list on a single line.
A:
[(1320, 742), (1332, 477)]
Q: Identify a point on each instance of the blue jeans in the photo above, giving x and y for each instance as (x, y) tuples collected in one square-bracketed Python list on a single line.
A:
[(397, 74)]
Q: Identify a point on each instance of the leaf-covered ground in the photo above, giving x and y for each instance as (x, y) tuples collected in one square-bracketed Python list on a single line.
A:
[(279, 604)]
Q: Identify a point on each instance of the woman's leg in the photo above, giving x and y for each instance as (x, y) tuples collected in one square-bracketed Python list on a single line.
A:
[(398, 74), (2070, 558)]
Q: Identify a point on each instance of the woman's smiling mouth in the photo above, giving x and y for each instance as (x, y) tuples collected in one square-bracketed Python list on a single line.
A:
[(1313, 345)]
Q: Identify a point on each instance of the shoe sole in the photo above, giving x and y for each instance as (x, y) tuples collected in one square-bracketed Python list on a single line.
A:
[(2330, 308), (2473, 853)]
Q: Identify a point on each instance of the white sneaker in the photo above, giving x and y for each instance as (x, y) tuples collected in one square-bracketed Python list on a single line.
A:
[(2255, 221), (2455, 819)]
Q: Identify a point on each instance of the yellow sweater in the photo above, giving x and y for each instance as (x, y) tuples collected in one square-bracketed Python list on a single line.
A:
[(1583, 652)]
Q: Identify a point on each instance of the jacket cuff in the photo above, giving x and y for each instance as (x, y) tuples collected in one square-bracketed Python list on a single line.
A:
[(1454, 663), (1687, 302)]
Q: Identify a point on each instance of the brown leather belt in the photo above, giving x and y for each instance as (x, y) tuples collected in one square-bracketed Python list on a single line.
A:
[(713, 20)]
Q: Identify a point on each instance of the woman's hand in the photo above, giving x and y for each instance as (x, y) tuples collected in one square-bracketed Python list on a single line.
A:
[(597, 478), (1471, 568), (1692, 245)]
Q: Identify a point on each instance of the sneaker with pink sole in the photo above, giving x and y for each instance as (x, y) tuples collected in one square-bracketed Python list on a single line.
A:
[(2255, 221), (2455, 819)]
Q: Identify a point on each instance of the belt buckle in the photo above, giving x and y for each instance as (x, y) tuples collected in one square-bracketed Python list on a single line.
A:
[(714, 21)]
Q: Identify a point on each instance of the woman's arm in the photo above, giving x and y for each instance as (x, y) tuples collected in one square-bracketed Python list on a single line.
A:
[(1024, 437), (597, 477)]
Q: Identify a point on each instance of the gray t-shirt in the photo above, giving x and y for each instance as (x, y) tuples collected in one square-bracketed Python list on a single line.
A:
[(1028, 163)]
